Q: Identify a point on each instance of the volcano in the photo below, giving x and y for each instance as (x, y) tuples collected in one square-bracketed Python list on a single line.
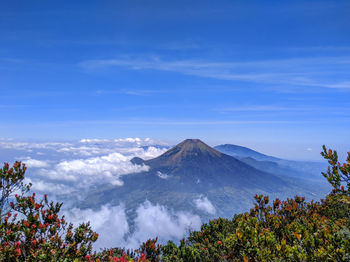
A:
[(195, 164), (191, 170)]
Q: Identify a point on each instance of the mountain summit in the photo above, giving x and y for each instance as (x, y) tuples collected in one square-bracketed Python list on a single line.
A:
[(190, 150), (193, 147)]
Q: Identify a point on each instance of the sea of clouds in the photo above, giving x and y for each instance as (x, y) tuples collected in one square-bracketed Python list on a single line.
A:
[(71, 168)]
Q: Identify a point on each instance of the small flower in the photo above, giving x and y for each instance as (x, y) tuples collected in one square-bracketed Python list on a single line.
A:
[(18, 252)]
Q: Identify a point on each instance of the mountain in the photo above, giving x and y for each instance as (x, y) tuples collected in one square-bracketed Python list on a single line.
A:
[(192, 162), (295, 169), (242, 152), (189, 171)]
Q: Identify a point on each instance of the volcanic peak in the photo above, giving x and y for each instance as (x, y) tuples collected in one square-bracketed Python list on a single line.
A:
[(192, 147)]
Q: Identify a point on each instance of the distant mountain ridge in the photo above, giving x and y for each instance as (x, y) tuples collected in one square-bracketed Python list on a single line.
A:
[(296, 169), (242, 152)]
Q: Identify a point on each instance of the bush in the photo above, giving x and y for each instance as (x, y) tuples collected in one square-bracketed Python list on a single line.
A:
[(33, 230), (11, 181)]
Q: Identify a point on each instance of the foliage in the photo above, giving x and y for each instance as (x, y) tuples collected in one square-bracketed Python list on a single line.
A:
[(290, 230), (118, 255), (150, 249), (337, 174), (34, 231), (11, 181)]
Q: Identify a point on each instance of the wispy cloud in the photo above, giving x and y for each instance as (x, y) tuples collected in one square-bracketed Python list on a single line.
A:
[(313, 72), (132, 92), (282, 109), (183, 45), (321, 48), (162, 122), (264, 108)]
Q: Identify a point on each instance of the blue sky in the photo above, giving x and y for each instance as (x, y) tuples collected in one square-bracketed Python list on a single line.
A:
[(272, 75)]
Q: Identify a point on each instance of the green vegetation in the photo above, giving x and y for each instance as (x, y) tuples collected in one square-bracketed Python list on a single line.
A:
[(289, 230)]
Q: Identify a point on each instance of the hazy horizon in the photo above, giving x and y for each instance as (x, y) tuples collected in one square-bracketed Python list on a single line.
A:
[(289, 151)]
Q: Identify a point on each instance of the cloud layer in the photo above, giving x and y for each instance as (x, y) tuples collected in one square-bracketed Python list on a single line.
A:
[(61, 167), (151, 221), (107, 168)]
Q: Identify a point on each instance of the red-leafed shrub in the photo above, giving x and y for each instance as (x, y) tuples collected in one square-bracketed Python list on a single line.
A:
[(32, 230)]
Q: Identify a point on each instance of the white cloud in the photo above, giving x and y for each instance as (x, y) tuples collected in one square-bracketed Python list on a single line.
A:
[(95, 140), (95, 147), (27, 146), (84, 163), (203, 203), (84, 147), (150, 152), (34, 163), (105, 169), (111, 223), (162, 175), (46, 187), (129, 139), (157, 221)]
